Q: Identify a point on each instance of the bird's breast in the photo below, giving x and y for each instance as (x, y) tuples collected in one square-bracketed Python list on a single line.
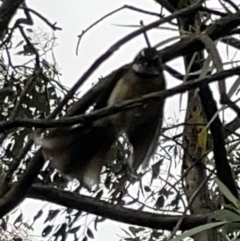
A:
[(129, 87)]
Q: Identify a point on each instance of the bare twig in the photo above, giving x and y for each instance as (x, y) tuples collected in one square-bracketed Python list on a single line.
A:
[(233, 42), (175, 73), (111, 13), (234, 6), (213, 11), (53, 26), (145, 36)]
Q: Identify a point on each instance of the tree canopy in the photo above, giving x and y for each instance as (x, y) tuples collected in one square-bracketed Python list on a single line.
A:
[(190, 187)]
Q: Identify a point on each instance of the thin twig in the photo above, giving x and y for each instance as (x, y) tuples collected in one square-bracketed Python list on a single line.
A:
[(53, 26), (145, 35), (213, 11), (111, 13), (236, 8)]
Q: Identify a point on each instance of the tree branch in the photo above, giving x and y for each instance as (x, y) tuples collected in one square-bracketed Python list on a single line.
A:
[(128, 104), (17, 193), (224, 171), (114, 212)]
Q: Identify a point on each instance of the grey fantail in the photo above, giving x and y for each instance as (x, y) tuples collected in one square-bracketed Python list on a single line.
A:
[(80, 151)]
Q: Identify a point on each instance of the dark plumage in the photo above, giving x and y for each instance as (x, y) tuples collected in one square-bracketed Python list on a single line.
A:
[(80, 152)]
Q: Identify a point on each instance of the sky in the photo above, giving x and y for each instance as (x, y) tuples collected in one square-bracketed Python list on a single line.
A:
[(73, 16)]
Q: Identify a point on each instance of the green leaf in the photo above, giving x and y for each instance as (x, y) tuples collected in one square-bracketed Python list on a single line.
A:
[(225, 191), (160, 202), (38, 215), (29, 30), (47, 230), (90, 233), (147, 189), (74, 230), (226, 215), (133, 230), (167, 41), (198, 229), (18, 219), (182, 4), (20, 43), (234, 87), (231, 228), (51, 215)]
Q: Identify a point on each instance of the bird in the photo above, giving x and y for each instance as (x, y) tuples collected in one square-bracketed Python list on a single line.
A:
[(140, 124), (80, 151)]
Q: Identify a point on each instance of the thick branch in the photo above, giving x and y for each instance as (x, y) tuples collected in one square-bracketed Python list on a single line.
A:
[(224, 172), (191, 44), (111, 211), (95, 115), (18, 191)]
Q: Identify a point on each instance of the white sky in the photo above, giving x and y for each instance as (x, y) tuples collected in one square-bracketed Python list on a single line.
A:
[(74, 16)]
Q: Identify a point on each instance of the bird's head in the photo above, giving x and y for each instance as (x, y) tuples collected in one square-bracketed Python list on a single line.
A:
[(147, 63)]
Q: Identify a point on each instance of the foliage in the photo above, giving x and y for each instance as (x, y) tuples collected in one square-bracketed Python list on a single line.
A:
[(31, 90)]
